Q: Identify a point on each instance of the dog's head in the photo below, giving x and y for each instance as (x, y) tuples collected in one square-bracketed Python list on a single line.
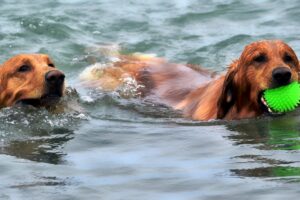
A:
[(30, 79), (262, 65)]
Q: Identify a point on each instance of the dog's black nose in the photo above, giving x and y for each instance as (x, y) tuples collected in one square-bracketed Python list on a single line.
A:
[(281, 76), (55, 77)]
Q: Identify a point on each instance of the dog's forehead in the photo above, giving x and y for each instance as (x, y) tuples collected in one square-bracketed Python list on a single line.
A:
[(27, 58), (267, 46)]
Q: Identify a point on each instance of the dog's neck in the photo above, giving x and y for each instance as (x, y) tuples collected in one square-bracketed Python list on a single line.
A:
[(201, 103)]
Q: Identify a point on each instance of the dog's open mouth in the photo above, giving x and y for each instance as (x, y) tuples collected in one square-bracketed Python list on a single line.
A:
[(44, 101), (265, 107)]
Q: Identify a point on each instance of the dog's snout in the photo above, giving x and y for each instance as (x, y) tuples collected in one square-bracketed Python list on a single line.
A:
[(281, 76), (55, 77)]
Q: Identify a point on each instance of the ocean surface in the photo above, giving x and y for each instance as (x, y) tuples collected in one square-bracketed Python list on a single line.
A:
[(122, 149)]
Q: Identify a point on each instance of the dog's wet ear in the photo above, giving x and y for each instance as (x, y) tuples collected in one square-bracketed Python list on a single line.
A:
[(228, 93)]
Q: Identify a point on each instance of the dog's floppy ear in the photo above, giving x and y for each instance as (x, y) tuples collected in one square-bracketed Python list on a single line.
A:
[(228, 93)]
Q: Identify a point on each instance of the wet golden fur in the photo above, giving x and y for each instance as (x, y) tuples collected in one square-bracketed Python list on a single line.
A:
[(197, 92)]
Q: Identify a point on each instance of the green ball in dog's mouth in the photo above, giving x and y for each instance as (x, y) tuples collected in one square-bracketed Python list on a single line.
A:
[(282, 99)]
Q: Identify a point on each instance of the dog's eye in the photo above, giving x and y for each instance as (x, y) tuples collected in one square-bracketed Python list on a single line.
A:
[(24, 68), (287, 58), (51, 65), (260, 59)]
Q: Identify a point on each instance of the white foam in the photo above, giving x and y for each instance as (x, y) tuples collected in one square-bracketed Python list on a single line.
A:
[(93, 72)]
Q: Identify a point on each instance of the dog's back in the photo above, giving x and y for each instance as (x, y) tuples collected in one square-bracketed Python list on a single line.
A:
[(161, 81)]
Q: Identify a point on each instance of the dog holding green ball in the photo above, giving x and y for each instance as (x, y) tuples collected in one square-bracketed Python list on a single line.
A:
[(263, 80), (267, 74)]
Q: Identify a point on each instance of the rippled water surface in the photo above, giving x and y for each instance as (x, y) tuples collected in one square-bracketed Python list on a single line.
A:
[(125, 149)]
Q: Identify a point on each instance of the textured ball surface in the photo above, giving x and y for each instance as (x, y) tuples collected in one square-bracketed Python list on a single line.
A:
[(284, 98)]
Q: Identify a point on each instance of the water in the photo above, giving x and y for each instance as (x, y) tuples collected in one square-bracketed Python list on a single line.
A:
[(127, 149)]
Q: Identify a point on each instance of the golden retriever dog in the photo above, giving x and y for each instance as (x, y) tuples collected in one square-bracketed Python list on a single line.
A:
[(199, 94), (30, 79)]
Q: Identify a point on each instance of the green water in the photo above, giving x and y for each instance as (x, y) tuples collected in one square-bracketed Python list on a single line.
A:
[(124, 149)]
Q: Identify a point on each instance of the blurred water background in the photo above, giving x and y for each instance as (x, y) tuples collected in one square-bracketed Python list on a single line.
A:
[(123, 149)]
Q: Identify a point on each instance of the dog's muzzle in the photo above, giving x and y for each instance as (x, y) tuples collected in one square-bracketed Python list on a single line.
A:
[(54, 83)]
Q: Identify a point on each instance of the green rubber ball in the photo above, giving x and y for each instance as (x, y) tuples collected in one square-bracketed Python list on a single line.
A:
[(283, 99)]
